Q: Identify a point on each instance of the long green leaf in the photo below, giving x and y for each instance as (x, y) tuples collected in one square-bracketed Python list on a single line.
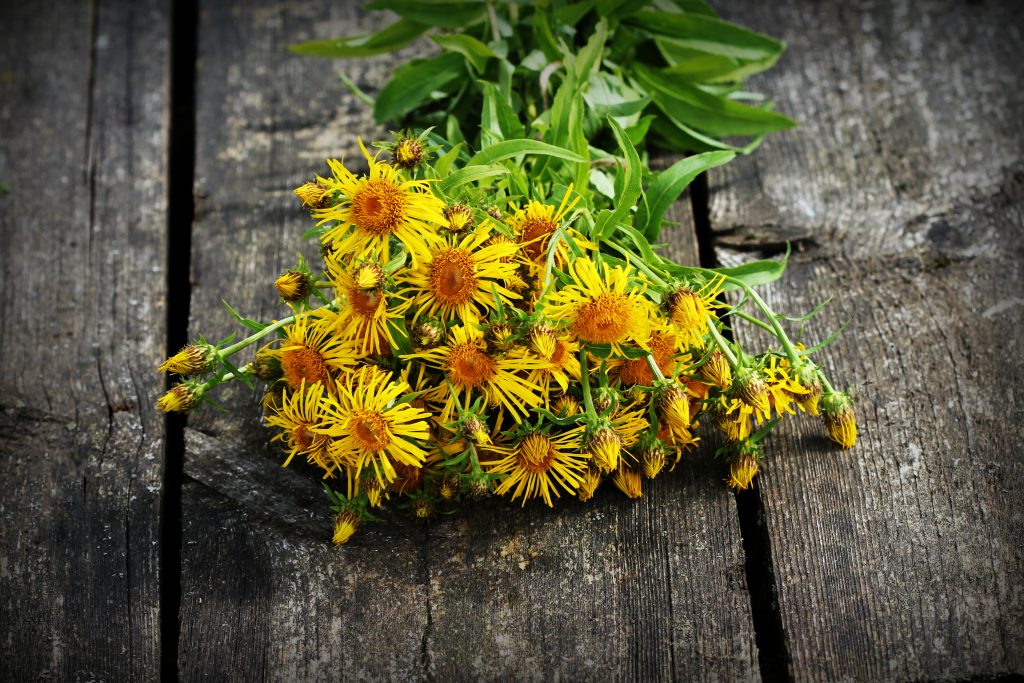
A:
[(386, 40), (632, 174), (708, 34), (469, 174), (667, 187), (413, 82), (755, 273), (706, 112), (512, 148), (443, 14), (469, 47)]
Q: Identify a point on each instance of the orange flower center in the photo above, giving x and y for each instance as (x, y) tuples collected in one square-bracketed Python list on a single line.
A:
[(560, 354), (536, 453), (637, 371), (370, 429), (304, 363), (365, 302), (378, 207), (536, 232), (303, 437), (468, 366), (452, 277), (605, 319)]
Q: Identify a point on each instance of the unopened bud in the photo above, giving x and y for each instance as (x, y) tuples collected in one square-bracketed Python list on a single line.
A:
[(181, 398), (345, 524), (312, 195), (408, 153), (293, 286), (193, 359), (459, 217)]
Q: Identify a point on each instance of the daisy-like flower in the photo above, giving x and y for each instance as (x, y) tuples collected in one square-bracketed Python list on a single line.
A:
[(372, 429), (471, 370), (346, 524), (377, 206), (743, 469), (537, 464), (298, 414), (691, 310), (716, 370), (606, 441), (311, 353), (629, 481), (636, 371), (460, 279), (600, 306), (784, 390), (560, 366), (367, 315), (536, 222)]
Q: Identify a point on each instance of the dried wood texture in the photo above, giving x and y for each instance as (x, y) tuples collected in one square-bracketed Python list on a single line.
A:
[(634, 589), (82, 144), (900, 559)]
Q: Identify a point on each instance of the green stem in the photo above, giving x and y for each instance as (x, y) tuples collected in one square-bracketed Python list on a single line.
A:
[(722, 344), (754, 321), (256, 336), (637, 262), (588, 400), (654, 367), (826, 385), (791, 352)]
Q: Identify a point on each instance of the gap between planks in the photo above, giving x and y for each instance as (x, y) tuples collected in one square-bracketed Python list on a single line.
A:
[(181, 141), (769, 634)]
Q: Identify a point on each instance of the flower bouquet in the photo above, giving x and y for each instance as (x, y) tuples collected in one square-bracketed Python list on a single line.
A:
[(491, 314)]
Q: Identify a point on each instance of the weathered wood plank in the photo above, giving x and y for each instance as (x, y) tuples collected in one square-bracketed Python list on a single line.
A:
[(654, 588), (82, 144), (900, 559)]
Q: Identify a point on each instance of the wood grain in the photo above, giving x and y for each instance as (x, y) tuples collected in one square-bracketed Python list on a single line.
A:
[(82, 144), (900, 559), (650, 588)]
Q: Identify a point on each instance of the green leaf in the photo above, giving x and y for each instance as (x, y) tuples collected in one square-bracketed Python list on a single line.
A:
[(708, 34), (511, 148), (251, 324), (497, 116), (570, 15), (667, 187), (388, 39), (469, 47), (588, 60), (443, 14), (444, 164), (699, 66), (754, 274), (413, 82), (708, 113), (469, 174), (631, 173)]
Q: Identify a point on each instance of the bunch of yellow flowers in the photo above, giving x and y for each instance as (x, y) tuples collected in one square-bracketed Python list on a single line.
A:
[(470, 335)]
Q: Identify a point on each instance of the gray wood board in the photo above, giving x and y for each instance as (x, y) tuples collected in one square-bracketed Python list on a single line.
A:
[(82, 145), (900, 559), (654, 587)]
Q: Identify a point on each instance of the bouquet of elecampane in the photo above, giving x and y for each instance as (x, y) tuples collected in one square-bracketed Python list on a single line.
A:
[(483, 325)]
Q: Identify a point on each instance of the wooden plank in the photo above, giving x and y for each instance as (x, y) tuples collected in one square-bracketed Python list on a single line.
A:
[(900, 559), (655, 587), (82, 144)]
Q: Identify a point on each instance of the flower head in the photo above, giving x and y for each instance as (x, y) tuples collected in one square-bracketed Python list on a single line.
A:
[(193, 359), (538, 464), (840, 421)]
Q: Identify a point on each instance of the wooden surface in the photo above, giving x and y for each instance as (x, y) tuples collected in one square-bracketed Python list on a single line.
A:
[(902, 558), (898, 560), (82, 143)]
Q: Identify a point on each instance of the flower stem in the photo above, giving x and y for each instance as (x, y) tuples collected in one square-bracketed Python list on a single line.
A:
[(256, 336), (752, 320), (655, 370), (637, 262), (588, 400), (722, 344)]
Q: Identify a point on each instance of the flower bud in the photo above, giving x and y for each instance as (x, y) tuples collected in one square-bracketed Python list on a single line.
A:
[(717, 371), (312, 195), (180, 399), (265, 367), (408, 153), (652, 459), (494, 213), (674, 409), (459, 217), (474, 428), (345, 524), (839, 418), (449, 488), (427, 335), (752, 390), (368, 276), (605, 398), (628, 480), (422, 508), (543, 341), (293, 286), (566, 405), (193, 359), (605, 446), (742, 472), (591, 480)]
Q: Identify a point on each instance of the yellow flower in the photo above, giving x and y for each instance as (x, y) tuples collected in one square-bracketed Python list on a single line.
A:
[(652, 459), (470, 369), (459, 279), (311, 352), (561, 367), (366, 316), (674, 413), (298, 414), (784, 390), (605, 446), (371, 429), (346, 524), (377, 206), (312, 195), (751, 389), (591, 480), (459, 217), (408, 153), (691, 310), (732, 417), (566, 405), (538, 464), (534, 225), (606, 442), (601, 307), (636, 371)]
